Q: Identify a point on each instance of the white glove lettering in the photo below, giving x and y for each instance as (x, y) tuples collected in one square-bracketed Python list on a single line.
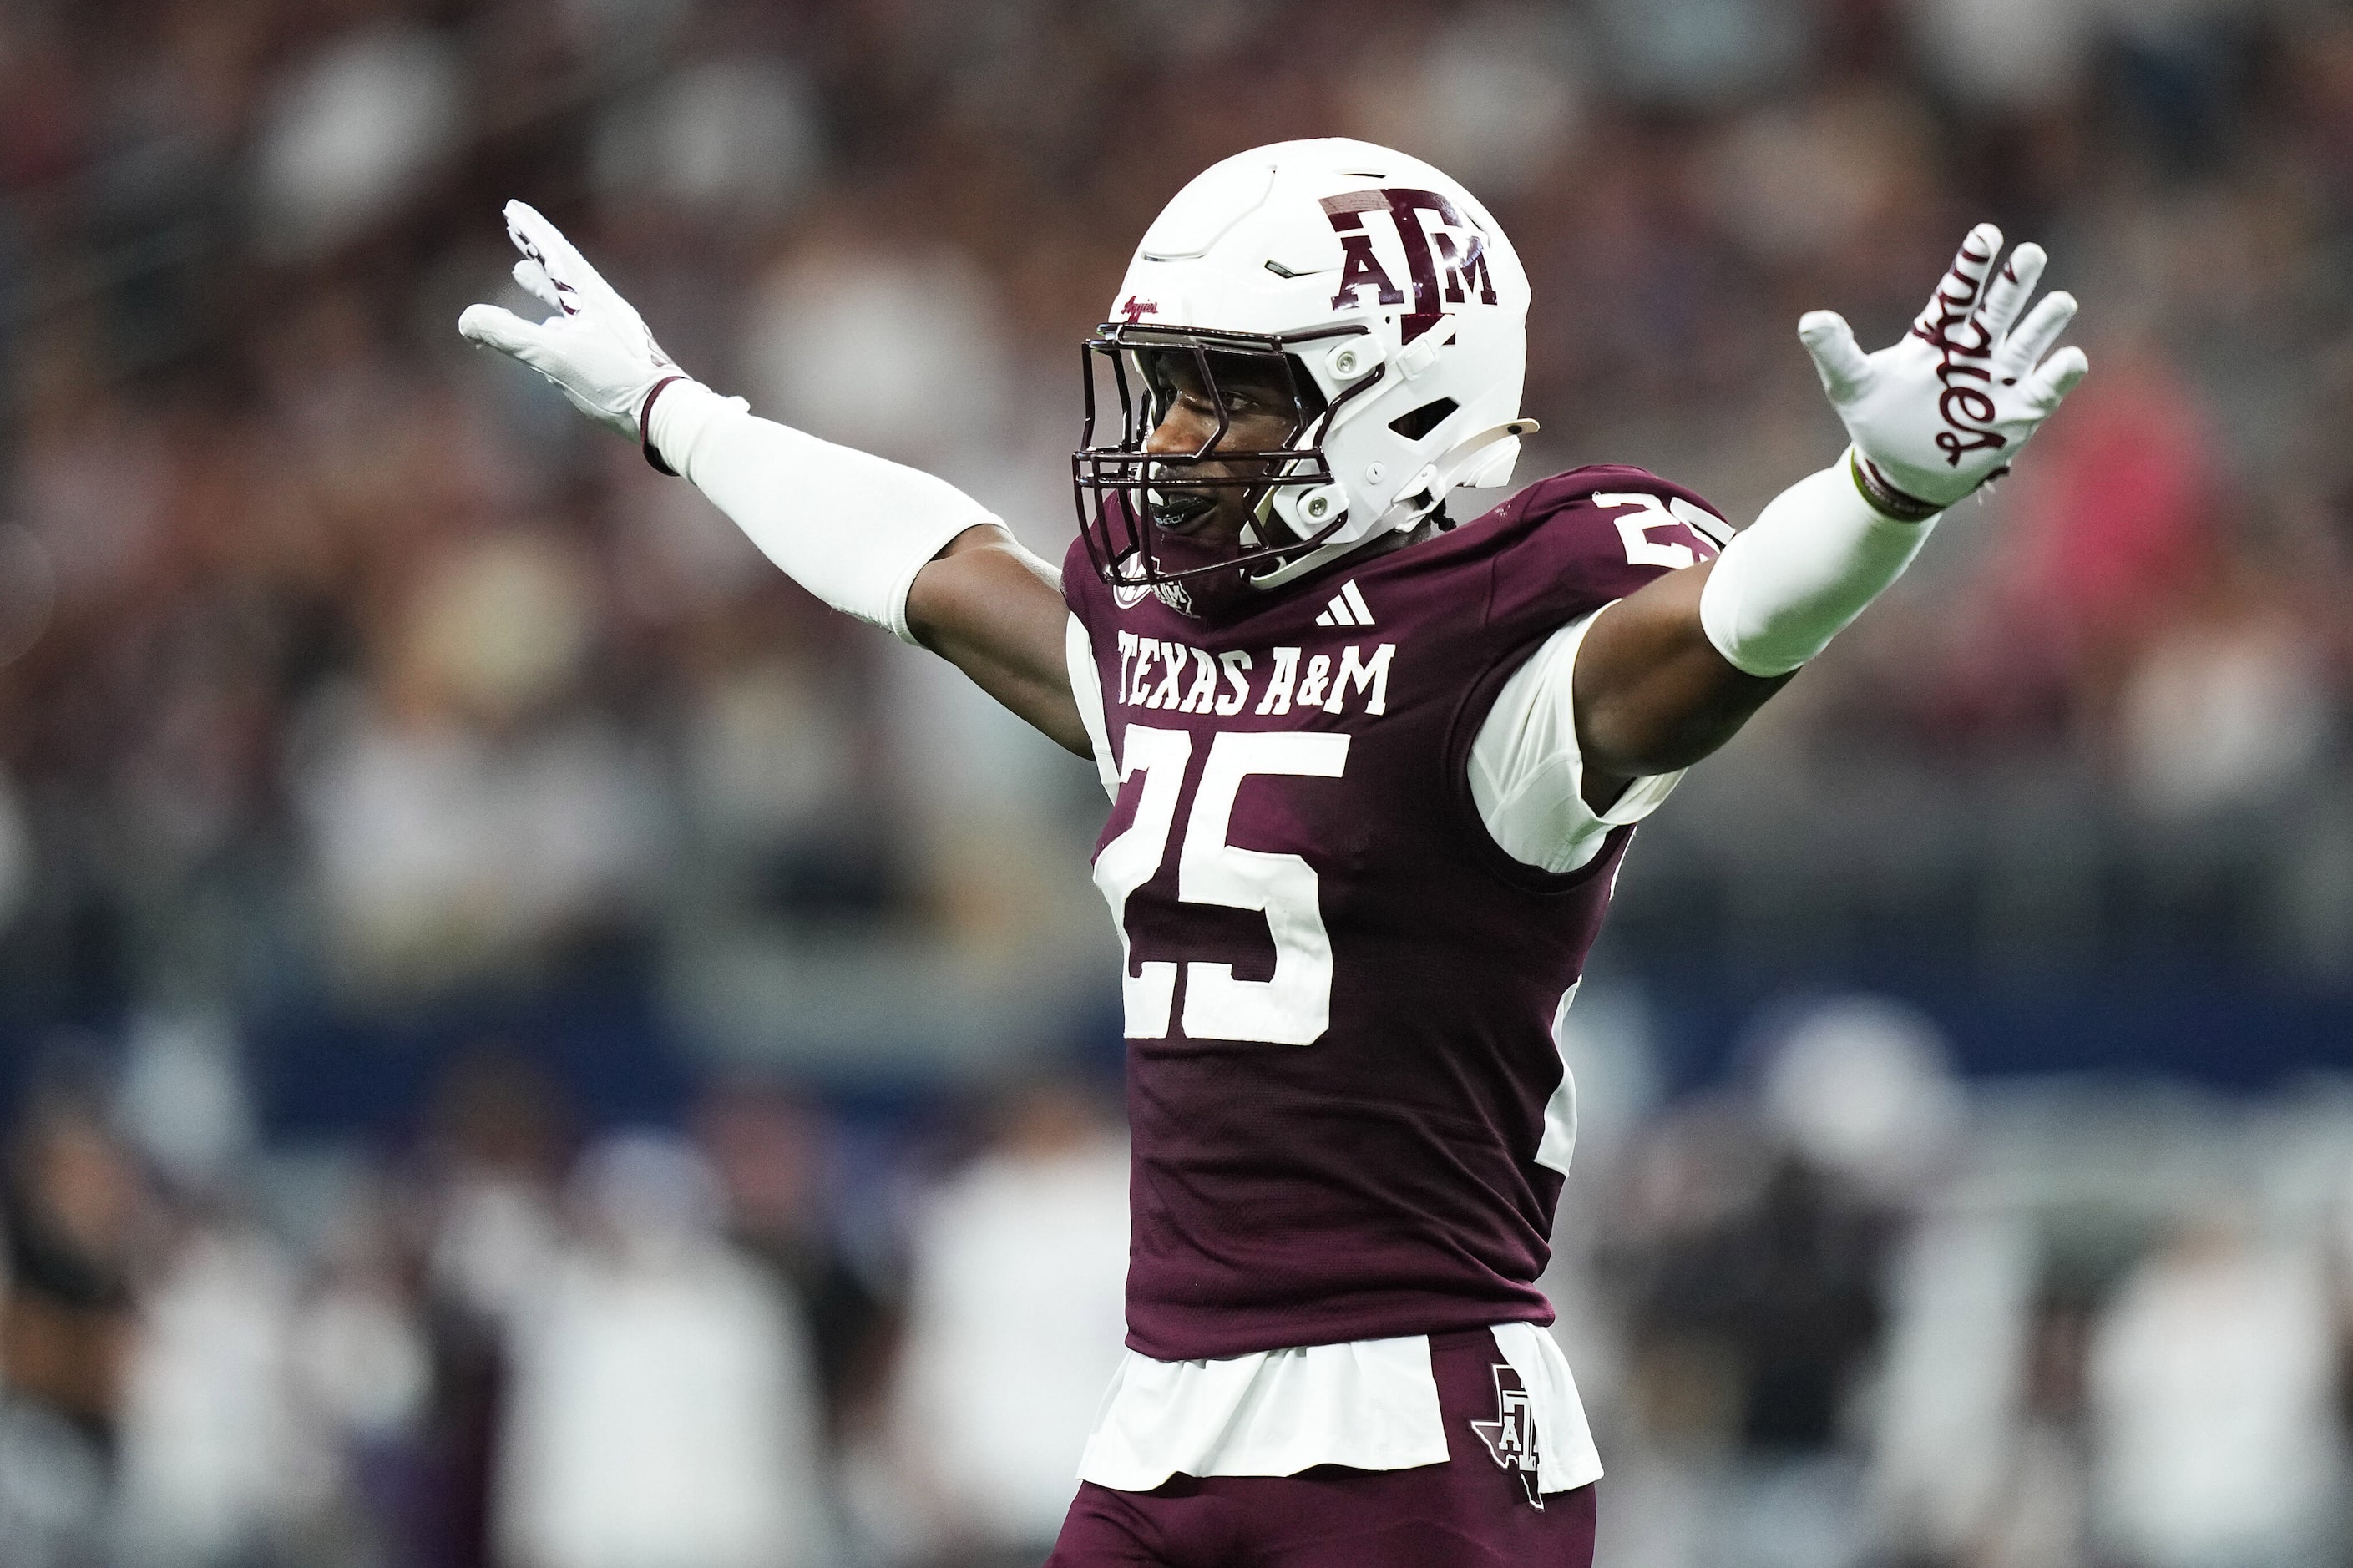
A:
[(1969, 411), (1939, 412)]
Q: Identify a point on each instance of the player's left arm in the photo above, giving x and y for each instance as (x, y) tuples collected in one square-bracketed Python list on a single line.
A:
[(1652, 694), (1671, 672)]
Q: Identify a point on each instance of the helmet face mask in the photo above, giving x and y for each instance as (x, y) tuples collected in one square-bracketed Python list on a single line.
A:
[(1367, 289), (1126, 492)]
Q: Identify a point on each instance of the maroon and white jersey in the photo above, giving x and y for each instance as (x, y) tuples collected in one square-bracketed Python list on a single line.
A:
[(1340, 992)]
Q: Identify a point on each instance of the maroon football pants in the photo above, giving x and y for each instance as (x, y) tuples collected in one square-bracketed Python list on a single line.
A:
[(1468, 1512)]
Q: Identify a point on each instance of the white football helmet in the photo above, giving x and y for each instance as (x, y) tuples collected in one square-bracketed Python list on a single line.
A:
[(1381, 284)]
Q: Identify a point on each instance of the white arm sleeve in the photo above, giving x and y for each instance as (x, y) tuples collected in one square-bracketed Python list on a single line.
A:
[(1797, 576), (1086, 690), (1527, 775), (851, 528)]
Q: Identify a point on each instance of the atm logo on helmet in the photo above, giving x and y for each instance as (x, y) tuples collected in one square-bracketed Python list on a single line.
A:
[(1461, 254)]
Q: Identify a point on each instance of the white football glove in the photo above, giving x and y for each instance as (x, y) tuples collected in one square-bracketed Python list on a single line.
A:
[(596, 348), (1939, 412)]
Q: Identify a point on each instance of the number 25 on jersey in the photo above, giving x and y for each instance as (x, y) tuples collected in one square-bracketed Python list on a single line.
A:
[(1294, 1006)]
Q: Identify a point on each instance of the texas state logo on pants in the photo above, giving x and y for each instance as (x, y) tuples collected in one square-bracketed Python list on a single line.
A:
[(1511, 1436)]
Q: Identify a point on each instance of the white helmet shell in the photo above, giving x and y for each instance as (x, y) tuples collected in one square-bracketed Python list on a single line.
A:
[(1300, 237)]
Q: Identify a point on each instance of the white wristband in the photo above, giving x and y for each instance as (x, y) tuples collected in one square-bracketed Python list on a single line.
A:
[(851, 528), (1797, 576)]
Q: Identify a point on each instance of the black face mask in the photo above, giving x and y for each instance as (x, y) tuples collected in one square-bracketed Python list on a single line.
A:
[(1115, 474)]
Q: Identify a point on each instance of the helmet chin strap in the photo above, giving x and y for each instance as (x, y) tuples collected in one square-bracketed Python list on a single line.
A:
[(1264, 523), (1419, 498), (1321, 556)]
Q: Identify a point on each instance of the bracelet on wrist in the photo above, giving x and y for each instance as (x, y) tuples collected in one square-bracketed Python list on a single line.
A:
[(1882, 497), (646, 427)]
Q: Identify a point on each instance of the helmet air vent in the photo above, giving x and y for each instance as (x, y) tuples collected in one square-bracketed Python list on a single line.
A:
[(1422, 421)]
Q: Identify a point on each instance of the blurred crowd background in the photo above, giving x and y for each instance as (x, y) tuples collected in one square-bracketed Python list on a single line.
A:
[(530, 1043)]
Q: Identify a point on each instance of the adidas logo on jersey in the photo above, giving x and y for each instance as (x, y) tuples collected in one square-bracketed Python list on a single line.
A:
[(1348, 608)]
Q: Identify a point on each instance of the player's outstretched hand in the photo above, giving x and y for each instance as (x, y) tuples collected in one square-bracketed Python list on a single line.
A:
[(1946, 408), (596, 348)]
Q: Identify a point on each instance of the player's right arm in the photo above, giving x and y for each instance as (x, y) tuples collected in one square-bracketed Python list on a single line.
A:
[(995, 611), (893, 546)]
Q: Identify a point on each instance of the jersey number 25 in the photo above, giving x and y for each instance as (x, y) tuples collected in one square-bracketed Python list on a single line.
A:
[(1294, 1006)]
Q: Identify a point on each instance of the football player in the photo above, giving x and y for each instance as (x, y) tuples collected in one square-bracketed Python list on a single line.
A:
[(1372, 767)]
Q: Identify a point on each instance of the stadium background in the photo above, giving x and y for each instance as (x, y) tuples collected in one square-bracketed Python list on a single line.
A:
[(528, 1042)]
